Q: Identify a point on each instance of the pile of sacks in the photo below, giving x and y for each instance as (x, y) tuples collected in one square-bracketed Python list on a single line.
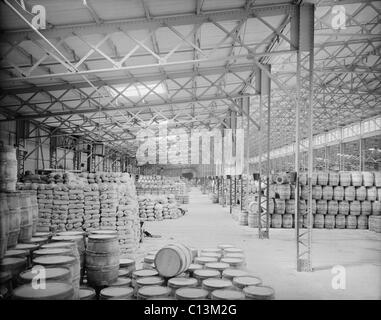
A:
[(45, 206), (91, 207), (60, 207), (108, 201), (160, 207), (76, 207)]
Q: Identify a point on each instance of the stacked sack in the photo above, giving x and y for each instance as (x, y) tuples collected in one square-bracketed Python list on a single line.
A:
[(158, 211), (108, 201), (76, 207), (60, 207), (127, 218), (91, 207), (45, 206)]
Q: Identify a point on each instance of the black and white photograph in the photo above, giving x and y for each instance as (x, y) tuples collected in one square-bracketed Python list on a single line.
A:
[(193, 150)]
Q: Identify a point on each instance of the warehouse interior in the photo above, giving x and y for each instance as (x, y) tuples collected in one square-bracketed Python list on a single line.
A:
[(240, 137)]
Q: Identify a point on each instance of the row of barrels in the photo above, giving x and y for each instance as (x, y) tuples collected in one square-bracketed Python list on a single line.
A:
[(280, 206), (350, 193), (325, 178), (320, 221), (18, 218)]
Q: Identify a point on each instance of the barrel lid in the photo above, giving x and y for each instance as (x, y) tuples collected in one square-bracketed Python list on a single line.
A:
[(206, 273), (152, 252), (213, 283), (233, 250), (52, 251), (67, 238), (123, 273), (194, 266), (191, 293), (232, 273), (235, 255), (50, 274), (217, 265), (204, 260), (153, 291), (107, 232), (8, 262), (86, 292), (227, 294), (52, 290), (125, 262), (43, 234), (26, 246), (149, 259), (58, 244), (53, 260), (258, 292), (211, 254), (102, 236), (71, 233), (117, 292), (35, 240), (232, 261), (16, 253), (225, 246), (121, 282), (150, 281), (144, 273), (211, 250), (246, 281), (179, 282)]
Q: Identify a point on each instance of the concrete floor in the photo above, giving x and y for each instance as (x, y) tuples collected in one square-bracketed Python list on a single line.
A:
[(273, 260)]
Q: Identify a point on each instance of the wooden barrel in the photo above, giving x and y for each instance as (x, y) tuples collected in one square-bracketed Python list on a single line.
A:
[(127, 264), (123, 273), (211, 254), (276, 221), (219, 266), (314, 179), (173, 259), (280, 206), (313, 206), (259, 293), (233, 262), (104, 232), (329, 221), (37, 240), (304, 192), (306, 221), (321, 206), (317, 192), (8, 169), (368, 179), (284, 191), (282, 178), (319, 221), (355, 208), (232, 273), (344, 207), (271, 206), (102, 259), (148, 281), (243, 218), (51, 291), (350, 193), (14, 222), (376, 208), (252, 220), (212, 284), (345, 178), (360, 193), (69, 262), (327, 192), (356, 177), (323, 178), (203, 274), (4, 224), (50, 274), (53, 251), (181, 282), (245, 281), (143, 273), (78, 238), (27, 215), (362, 222), (351, 222), (290, 206), (226, 294), (375, 223), (340, 221), (193, 267), (13, 265), (338, 193), (156, 292), (116, 293), (303, 178), (377, 179), (191, 294), (334, 179), (87, 293), (287, 221), (366, 208), (379, 194), (371, 193), (224, 246), (333, 207), (204, 260)]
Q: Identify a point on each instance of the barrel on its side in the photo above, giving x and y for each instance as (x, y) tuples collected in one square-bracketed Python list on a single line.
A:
[(173, 259)]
